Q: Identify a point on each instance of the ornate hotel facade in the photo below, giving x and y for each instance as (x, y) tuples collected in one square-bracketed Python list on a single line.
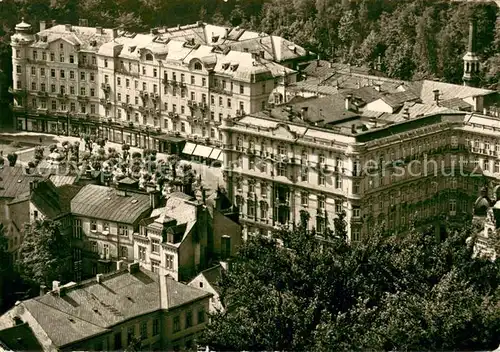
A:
[(281, 165), (149, 90)]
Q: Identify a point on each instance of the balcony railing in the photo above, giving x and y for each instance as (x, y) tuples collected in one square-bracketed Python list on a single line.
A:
[(125, 71), (87, 65), (220, 90)]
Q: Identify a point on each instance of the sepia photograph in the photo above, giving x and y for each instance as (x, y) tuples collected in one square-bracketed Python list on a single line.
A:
[(249, 175)]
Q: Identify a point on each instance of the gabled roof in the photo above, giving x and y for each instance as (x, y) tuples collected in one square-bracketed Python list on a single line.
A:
[(396, 100), (213, 275), (180, 294), (14, 181), (91, 308), (84, 36), (101, 202), (425, 90)]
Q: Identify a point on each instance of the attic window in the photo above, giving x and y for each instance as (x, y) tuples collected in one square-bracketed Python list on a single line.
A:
[(93, 43), (225, 66), (215, 38), (44, 38), (149, 57), (131, 49), (197, 66), (234, 67)]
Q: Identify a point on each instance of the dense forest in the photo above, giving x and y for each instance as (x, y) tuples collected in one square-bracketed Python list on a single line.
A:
[(415, 38)]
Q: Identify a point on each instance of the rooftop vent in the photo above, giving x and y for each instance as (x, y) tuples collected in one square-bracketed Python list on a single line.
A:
[(134, 201)]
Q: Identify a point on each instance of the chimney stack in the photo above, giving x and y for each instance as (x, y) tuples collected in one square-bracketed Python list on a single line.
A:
[(98, 30), (98, 278), (436, 96), (67, 27), (154, 199), (56, 286), (53, 23), (348, 99), (43, 290), (406, 113), (83, 22), (115, 33), (43, 26)]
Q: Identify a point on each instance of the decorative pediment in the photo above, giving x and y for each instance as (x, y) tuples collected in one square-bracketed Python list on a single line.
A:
[(284, 131)]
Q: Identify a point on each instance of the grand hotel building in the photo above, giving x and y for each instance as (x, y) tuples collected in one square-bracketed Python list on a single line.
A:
[(304, 157), (149, 90)]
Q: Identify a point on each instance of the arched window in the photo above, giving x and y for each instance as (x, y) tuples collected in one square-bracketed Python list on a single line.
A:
[(197, 66), (149, 57)]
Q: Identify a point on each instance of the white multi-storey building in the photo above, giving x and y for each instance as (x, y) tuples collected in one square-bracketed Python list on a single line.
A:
[(134, 88)]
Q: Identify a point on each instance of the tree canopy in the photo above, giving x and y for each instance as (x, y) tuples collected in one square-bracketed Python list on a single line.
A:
[(45, 254), (412, 292)]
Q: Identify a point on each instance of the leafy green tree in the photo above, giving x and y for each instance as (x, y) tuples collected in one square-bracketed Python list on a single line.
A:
[(45, 254), (411, 292)]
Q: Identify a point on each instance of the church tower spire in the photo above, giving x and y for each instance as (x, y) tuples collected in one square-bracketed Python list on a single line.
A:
[(470, 59)]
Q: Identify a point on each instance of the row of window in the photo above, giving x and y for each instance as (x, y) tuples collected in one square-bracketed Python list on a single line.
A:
[(62, 89), (62, 106), (94, 247), (155, 264), (123, 230)]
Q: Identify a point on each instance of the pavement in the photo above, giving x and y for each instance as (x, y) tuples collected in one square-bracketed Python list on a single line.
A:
[(211, 176)]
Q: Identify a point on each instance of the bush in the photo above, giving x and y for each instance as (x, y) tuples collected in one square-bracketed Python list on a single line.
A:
[(52, 147)]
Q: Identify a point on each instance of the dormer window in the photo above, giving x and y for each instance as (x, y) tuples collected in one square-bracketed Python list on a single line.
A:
[(234, 67), (225, 66), (197, 66), (149, 57)]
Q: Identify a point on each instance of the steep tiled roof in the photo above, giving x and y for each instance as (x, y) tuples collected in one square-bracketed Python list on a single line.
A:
[(179, 294), (14, 181), (425, 90), (456, 103), (45, 196), (85, 36), (60, 180), (90, 308), (274, 48), (396, 100), (213, 275), (62, 328), (107, 203)]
